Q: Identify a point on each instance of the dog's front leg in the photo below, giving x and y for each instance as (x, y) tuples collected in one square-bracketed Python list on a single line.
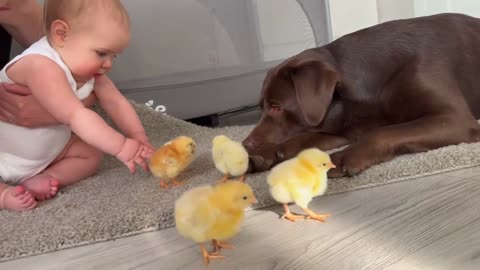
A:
[(383, 144)]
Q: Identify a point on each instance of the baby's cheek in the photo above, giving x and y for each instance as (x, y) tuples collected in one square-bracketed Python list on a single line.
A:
[(88, 70)]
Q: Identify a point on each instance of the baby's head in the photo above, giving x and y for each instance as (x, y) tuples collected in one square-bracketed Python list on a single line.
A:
[(87, 34)]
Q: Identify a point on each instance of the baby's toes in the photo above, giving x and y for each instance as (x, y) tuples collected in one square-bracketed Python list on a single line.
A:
[(28, 201)]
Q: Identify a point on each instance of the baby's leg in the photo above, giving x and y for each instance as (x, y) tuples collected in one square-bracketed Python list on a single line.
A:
[(77, 161), (16, 198)]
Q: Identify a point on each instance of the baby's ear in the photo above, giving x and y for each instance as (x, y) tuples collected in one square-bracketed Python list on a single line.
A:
[(59, 32)]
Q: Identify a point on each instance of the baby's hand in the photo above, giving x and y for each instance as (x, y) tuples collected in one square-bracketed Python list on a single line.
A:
[(134, 152), (142, 137)]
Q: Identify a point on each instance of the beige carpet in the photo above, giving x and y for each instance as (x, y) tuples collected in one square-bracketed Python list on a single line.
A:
[(114, 203)]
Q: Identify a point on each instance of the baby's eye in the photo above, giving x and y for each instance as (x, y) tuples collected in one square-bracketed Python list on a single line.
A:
[(324, 164), (245, 197), (101, 54)]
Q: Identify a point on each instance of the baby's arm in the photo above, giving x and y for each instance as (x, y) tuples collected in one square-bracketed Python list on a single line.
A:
[(119, 109), (54, 93), (17, 100)]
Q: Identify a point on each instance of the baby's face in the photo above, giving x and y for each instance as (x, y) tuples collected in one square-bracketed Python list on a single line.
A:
[(90, 52)]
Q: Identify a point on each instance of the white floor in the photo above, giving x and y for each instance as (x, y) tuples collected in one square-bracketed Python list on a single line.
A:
[(426, 223)]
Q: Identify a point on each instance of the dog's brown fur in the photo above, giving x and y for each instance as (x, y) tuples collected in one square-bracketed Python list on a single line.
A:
[(399, 87)]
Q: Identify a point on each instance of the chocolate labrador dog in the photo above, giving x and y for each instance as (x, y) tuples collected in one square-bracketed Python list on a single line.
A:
[(399, 87)]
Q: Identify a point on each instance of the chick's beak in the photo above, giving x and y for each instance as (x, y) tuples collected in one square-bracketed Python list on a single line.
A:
[(254, 200), (331, 165)]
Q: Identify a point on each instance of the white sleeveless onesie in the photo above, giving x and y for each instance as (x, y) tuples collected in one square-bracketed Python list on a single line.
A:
[(25, 152)]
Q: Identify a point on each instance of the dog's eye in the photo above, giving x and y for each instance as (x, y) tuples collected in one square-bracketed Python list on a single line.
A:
[(275, 108)]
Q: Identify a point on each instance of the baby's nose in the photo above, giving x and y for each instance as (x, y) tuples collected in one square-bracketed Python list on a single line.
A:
[(107, 65)]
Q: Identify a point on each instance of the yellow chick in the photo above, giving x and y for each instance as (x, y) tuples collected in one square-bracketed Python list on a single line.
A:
[(213, 213), (230, 157), (298, 180), (168, 161)]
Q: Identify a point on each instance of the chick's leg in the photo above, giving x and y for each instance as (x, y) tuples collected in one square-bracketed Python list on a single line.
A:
[(315, 216), (288, 215), (242, 178), (217, 245), (223, 179), (207, 257), (163, 184), (177, 183)]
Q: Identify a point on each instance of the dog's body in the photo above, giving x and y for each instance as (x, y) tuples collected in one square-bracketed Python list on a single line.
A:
[(399, 87)]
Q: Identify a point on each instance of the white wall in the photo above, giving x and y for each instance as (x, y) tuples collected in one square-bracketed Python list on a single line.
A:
[(395, 9), (429, 7), (351, 15)]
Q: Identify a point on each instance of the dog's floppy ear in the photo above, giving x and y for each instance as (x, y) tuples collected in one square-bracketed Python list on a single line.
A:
[(314, 78)]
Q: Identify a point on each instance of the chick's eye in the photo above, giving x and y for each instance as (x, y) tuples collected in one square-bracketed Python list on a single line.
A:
[(245, 197), (324, 164)]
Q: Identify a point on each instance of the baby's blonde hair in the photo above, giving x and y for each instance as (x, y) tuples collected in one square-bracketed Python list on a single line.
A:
[(82, 11)]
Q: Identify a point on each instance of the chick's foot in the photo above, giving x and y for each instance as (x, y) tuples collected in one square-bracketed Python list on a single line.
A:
[(288, 215), (163, 184), (223, 179), (217, 245), (177, 183), (318, 217), (207, 257)]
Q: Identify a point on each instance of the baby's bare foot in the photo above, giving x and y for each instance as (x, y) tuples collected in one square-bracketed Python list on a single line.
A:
[(42, 186), (17, 199)]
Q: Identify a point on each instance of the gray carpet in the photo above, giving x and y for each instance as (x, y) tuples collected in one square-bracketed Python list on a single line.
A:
[(114, 203)]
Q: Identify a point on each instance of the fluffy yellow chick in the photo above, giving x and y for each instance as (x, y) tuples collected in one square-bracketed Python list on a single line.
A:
[(298, 180), (214, 214), (168, 161), (230, 157)]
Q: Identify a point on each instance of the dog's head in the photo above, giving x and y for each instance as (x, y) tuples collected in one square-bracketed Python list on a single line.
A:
[(294, 99)]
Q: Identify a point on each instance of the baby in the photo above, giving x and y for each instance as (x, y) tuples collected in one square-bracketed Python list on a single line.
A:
[(61, 69)]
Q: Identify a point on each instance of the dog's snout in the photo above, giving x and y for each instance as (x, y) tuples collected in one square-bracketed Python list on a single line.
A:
[(250, 143), (258, 164)]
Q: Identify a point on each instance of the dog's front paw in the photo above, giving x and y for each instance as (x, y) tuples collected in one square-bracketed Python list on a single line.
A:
[(350, 161)]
